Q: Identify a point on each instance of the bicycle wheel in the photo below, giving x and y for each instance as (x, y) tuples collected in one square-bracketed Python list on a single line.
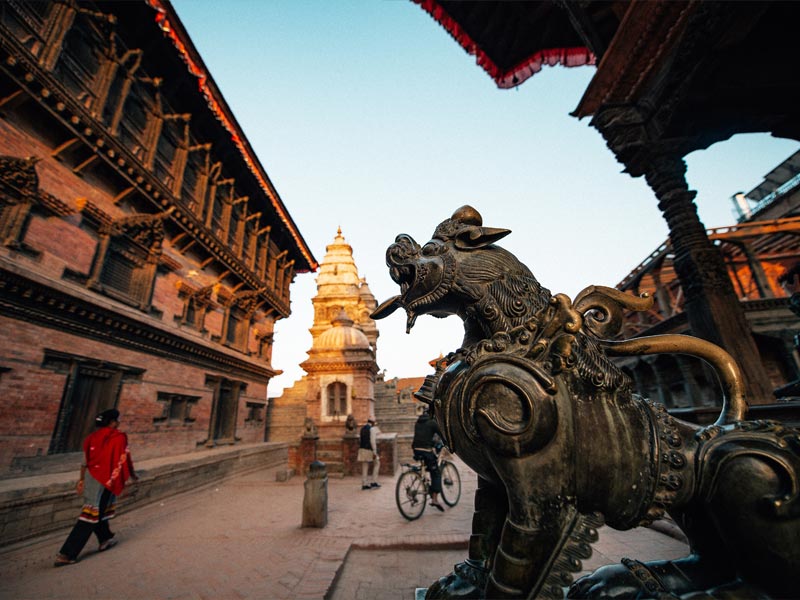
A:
[(411, 495), (451, 483)]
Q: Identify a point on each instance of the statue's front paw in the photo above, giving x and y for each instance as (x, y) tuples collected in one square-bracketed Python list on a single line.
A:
[(453, 586), (467, 581), (613, 581)]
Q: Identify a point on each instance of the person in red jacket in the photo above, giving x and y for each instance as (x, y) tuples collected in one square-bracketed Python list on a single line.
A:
[(108, 461)]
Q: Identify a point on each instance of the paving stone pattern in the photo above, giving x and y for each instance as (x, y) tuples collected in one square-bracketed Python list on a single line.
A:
[(242, 539)]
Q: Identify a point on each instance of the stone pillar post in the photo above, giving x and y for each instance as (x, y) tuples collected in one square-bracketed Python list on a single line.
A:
[(713, 310), (315, 498), (350, 443)]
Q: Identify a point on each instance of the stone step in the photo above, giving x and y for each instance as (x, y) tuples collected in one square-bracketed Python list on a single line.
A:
[(335, 469), (326, 456)]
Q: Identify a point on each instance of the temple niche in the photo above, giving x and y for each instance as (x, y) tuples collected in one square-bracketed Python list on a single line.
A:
[(341, 366)]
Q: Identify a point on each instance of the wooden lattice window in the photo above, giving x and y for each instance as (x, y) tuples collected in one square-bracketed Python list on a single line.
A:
[(241, 309), (177, 408), (247, 245), (124, 273), (336, 399), (233, 228), (255, 413), (127, 258), (217, 216), (82, 59), (235, 332)]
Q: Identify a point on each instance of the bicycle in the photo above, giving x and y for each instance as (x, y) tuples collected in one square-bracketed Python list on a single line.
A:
[(413, 488)]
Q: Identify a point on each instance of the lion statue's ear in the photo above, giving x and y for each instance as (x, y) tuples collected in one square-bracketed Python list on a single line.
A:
[(479, 237)]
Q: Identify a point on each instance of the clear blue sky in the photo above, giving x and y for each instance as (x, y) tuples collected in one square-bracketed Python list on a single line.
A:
[(369, 116)]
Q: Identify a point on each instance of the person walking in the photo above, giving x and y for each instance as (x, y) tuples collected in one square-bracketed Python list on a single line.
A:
[(107, 458), (368, 452), (423, 446)]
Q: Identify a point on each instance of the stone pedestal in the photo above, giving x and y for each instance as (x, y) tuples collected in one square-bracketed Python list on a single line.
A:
[(315, 498), (307, 453), (349, 455), (387, 448)]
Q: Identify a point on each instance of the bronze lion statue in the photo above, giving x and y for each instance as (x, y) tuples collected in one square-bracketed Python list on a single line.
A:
[(562, 444)]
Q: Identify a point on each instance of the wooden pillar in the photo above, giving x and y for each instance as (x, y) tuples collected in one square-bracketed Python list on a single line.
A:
[(713, 310), (263, 252), (757, 271), (690, 386)]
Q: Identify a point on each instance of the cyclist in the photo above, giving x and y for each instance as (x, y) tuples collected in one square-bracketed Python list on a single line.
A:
[(423, 446)]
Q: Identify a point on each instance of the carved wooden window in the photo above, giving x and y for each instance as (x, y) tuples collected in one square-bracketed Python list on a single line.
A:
[(166, 148), (247, 245), (237, 328), (25, 21), (255, 413), (197, 302), (209, 191), (19, 189), (240, 309), (134, 118), (272, 263), (196, 166), (123, 272), (177, 408), (191, 313), (127, 258), (233, 228), (82, 58), (261, 257), (40, 25), (336, 394), (171, 154), (265, 339), (139, 124), (218, 217)]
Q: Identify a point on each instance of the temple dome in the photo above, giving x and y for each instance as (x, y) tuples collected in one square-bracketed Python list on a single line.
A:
[(342, 336)]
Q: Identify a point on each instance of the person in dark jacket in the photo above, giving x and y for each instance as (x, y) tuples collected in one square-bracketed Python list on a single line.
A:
[(423, 446), (368, 453)]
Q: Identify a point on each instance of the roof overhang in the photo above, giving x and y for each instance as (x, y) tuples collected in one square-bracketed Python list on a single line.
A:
[(512, 41), (169, 23)]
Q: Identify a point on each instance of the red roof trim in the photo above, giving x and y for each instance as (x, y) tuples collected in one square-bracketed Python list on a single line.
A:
[(162, 19), (568, 57)]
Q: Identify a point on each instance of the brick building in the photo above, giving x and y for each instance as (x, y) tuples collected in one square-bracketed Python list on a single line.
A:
[(145, 256), (757, 251)]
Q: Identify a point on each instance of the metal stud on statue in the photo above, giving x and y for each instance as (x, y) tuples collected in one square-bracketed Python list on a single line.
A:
[(561, 444)]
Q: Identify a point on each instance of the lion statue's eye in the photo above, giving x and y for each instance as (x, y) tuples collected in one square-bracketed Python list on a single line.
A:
[(431, 248)]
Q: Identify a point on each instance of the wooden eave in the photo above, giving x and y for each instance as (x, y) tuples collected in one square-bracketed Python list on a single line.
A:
[(169, 23), (694, 73), (648, 32), (512, 41)]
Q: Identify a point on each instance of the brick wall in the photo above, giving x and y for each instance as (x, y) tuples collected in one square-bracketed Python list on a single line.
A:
[(32, 395)]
